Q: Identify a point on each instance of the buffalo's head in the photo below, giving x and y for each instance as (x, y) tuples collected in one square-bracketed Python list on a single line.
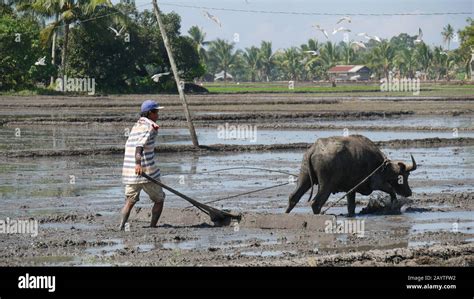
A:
[(396, 173)]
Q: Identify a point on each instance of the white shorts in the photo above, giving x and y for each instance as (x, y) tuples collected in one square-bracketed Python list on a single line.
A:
[(155, 192)]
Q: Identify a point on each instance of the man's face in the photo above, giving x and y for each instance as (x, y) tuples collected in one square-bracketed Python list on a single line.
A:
[(153, 115)]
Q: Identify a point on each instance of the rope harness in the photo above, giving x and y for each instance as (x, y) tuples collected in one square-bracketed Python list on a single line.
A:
[(383, 164)]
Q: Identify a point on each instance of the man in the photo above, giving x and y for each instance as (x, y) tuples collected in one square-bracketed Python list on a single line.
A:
[(140, 158)]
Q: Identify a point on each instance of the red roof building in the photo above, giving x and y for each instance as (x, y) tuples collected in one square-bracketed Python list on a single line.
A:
[(349, 73)]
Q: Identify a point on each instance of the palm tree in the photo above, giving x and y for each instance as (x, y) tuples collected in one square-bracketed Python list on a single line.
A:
[(438, 67), (267, 59), (381, 58), (252, 61), (222, 55), (464, 52), (68, 12), (448, 34), (348, 53), (329, 56), (291, 63), (313, 61), (424, 57), (198, 36), (406, 62)]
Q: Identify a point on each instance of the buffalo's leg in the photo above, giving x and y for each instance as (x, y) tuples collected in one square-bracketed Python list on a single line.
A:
[(351, 204), (304, 183), (389, 189), (319, 200)]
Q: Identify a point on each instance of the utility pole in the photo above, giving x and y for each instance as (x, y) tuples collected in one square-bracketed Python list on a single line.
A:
[(179, 84), (53, 49)]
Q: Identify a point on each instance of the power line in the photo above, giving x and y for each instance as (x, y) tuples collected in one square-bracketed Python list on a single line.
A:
[(103, 16), (278, 12), (316, 13)]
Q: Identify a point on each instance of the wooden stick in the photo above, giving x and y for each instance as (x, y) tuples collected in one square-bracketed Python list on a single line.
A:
[(192, 131)]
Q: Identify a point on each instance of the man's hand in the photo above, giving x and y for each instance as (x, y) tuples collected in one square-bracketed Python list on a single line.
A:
[(138, 169), (138, 160)]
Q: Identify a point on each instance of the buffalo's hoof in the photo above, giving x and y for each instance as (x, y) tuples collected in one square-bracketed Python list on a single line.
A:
[(315, 207), (289, 208)]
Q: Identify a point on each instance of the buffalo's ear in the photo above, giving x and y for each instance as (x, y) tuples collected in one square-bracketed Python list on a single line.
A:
[(392, 170), (402, 167)]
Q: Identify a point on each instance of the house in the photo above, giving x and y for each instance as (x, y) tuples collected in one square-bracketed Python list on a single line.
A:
[(220, 76), (349, 73)]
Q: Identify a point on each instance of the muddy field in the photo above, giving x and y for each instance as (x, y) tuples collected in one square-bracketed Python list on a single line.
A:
[(61, 159)]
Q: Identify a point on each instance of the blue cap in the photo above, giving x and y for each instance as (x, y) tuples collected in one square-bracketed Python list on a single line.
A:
[(149, 105)]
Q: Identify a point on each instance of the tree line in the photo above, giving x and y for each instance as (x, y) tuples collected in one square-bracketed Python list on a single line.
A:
[(311, 61), (121, 47)]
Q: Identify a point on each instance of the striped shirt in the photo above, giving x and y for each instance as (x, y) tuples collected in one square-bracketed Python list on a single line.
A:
[(143, 134)]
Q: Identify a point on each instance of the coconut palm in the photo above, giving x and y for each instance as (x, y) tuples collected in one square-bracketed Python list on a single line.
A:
[(222, 55), (381, 58), (198, 36), (68, 12), (424, 56), (406, 62), (267, 59), (464, 52), (439, 61), (347, 52), (329, 55), (448, 34), (251, 60), (291, 63), (312, 63)]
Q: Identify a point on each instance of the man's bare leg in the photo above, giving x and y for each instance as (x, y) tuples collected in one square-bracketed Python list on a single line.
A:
[(127, 208), (156, 213)]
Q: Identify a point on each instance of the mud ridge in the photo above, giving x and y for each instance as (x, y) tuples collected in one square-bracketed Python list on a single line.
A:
[(221, 117), (396, 143)]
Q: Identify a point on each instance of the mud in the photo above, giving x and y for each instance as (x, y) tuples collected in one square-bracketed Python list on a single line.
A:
[(187, 238), (425, 143), (64, 172)]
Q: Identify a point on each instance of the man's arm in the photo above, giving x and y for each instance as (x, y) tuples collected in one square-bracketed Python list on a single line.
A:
[(138, 160)]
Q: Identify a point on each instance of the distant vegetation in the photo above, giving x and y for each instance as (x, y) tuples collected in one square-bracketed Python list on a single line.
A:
[(122, 49)]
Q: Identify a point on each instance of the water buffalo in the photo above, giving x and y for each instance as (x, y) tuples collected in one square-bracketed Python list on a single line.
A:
[(337, 164)]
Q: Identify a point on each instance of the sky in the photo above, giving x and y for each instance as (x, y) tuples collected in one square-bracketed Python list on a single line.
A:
[(286, 30)]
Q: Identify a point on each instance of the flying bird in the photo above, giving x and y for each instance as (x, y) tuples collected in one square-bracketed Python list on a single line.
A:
[(348, 19), (41, 61), (419, 38), (322, 30), (376, 38), (212, 18), (117, 33), (340, 29), (314, 53), (369, 37), (156, 77)]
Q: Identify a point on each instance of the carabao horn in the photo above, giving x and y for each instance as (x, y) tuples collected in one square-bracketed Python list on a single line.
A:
[(413, 164)]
